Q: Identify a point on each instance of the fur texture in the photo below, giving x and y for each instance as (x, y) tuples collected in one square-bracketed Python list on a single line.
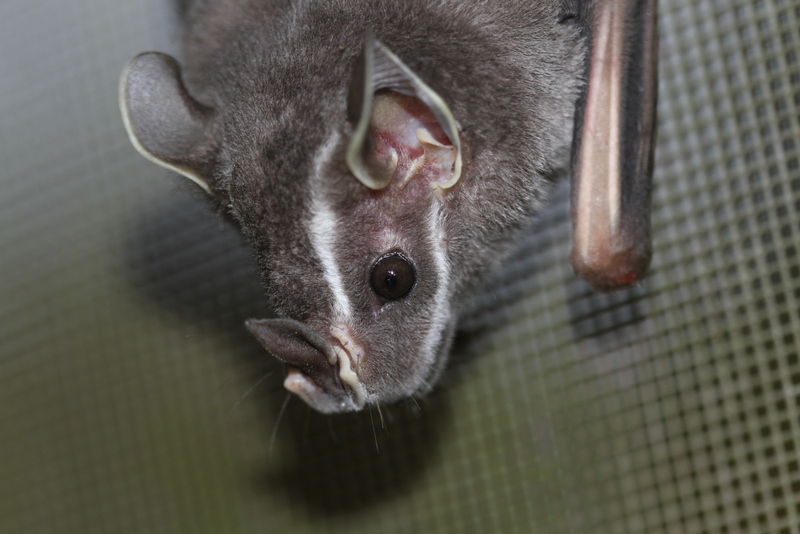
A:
[(271, 80)]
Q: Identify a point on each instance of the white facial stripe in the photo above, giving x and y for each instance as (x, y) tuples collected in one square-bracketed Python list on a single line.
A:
[(441, 310), (323, 231)]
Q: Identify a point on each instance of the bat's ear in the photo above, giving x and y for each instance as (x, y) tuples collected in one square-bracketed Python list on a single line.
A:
[(398, 120), (165, 124), (613, 149)]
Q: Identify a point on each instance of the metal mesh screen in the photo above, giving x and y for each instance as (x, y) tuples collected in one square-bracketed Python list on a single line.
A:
[(132, 399)]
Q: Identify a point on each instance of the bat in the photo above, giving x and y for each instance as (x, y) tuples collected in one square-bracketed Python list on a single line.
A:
[(381, 157)]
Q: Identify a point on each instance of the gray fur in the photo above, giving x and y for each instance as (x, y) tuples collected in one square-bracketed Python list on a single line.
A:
[(275, 76)]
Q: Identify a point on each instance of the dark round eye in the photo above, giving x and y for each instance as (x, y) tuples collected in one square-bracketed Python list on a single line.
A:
[(392, 277)]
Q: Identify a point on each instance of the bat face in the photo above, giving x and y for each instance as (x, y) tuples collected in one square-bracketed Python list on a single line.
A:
[(380, 158), (362, 274)]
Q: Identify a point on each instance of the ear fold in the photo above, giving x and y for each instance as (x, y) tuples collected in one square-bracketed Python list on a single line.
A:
[(613, 148), (399, 124), (165, 124)]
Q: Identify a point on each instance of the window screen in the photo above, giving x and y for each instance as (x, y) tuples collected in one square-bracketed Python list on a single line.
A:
[(132, 400)]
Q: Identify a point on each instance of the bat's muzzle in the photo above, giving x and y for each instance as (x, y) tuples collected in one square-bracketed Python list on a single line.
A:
[(314, 364)]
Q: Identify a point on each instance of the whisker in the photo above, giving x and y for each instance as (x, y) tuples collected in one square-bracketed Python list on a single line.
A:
[(374, 434), (250, 390), (277, 423), (396, 380), (419, 408), (383, 423), (240, 373)]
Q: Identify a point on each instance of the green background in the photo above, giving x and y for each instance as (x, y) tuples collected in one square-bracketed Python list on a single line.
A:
[(131, 398)]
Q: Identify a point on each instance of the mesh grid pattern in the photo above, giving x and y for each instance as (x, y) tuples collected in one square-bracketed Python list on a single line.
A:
[(132, 400)]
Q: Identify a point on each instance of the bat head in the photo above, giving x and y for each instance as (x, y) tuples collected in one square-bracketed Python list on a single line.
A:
[(354, 254), (372, 202), (375, 322)]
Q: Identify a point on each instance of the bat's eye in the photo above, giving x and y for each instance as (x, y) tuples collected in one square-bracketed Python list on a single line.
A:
[(392, 277)]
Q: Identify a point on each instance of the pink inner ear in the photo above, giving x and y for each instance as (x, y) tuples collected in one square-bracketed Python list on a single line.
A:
[(407, 141)]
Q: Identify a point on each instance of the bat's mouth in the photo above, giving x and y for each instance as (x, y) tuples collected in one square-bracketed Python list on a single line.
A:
[(348, 356), (347, 395), (321, 399), (321, 371)]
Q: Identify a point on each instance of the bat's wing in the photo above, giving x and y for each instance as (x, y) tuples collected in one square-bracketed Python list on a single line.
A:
[(613, 148)]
